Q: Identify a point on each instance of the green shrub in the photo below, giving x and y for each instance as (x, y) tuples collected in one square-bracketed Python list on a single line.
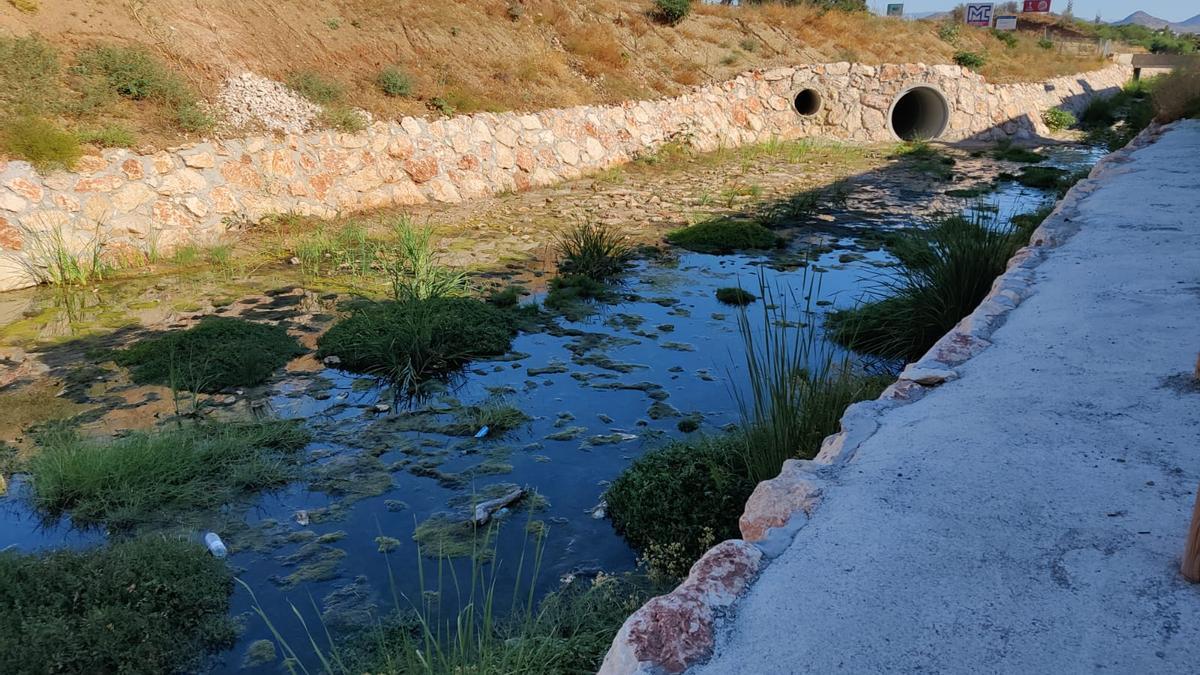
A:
[(40, 143), (724, 235), (29, 75), (688, 494), (1007, 37), (594, 251), (134, 74), (945, 272), (394, 83), (1046, 43), (1058, 119), (949, 32), (216, 353), (414, 341), (673, 11), (314, 87), (1098, 113), (160, 477), (735, 296), (191, 116), (343, 118), (109, 136), (972, 60), (145, 606)]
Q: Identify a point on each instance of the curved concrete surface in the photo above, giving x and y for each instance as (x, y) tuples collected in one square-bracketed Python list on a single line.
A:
[(1029, 516)]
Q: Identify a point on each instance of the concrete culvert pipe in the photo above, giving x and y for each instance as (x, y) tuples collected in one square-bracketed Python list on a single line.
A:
[(808, 102), (919, 113)]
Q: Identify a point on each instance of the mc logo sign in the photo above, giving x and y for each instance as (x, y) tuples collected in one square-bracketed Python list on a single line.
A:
[(979, 14)]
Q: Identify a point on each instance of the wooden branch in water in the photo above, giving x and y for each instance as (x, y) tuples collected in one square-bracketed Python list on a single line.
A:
[(484, 510)]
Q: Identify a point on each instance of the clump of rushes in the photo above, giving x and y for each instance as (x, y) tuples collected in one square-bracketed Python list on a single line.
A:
[(415, 267), (724, 235), (594, 251), (216, 353), (706, 487), (151, 477), (735, 296), (151, 605), (799, 384), (946, 270), (411, 342), (393, 83)]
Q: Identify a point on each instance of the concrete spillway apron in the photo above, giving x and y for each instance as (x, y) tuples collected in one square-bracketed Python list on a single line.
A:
[(1022, 511)]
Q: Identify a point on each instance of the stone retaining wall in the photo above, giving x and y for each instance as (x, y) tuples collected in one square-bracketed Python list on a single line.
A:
[(673, 632), (194, 194)]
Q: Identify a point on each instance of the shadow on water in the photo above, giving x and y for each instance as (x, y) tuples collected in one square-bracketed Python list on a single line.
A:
[(599, 392)]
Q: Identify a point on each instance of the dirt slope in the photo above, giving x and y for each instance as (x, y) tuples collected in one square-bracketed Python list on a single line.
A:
[(496, 54)]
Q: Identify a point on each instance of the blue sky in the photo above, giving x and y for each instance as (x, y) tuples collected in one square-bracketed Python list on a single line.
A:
[(1110, 10)]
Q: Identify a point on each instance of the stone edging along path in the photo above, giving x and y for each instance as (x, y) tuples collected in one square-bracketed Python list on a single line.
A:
[(673, 632), (124, 203)]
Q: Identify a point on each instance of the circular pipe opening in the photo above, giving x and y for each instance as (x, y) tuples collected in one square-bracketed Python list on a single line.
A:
[(920, 113), (808, 102)]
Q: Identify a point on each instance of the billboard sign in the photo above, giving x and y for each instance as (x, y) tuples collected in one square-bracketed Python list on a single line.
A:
[(1006, 23), (895, 9), (979, 14), (1032, 6)]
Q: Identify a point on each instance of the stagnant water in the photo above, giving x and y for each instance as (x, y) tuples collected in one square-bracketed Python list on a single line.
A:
[(600, 391)]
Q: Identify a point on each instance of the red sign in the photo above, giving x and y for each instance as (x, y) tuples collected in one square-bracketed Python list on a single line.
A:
[(1037, 6)]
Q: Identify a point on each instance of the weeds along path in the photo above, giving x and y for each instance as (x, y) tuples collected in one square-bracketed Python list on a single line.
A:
[(1028, 515)]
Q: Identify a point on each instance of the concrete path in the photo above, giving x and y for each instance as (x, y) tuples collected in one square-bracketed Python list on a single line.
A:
[(1028, 517)]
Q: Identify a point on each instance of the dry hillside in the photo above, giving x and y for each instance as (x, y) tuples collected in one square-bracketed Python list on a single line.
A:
[(465, 55)]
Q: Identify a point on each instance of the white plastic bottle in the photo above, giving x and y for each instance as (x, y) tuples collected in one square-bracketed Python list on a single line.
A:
[(215, 545)]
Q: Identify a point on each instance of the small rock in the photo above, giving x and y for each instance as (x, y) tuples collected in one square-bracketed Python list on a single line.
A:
[(600, 510), (301, 518), (332, 361), (381, 407)]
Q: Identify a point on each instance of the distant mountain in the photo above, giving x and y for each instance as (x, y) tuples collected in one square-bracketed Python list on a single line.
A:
[(1139, 18), (1143, 19)]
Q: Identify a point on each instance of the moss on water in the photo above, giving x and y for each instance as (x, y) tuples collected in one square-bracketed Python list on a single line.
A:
[(449, 536), (724, 236), (735, 296)]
